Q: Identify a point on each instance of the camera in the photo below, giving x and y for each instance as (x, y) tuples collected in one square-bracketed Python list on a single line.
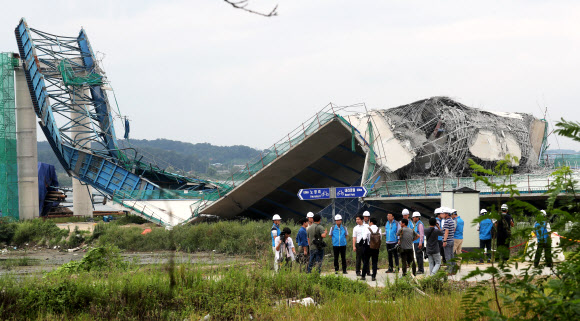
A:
[(283, 237), (396, 248)]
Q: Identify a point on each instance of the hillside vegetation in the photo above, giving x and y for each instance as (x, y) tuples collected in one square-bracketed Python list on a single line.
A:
[(174, 156)]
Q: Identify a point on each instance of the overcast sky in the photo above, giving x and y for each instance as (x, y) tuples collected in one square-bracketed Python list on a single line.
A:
[(201, 71)]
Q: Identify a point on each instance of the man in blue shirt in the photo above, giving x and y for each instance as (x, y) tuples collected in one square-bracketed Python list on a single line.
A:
[(392, 227), (275, 232), (302, 241), (485, 229), (458, 237), (543, 235), (339, 234)]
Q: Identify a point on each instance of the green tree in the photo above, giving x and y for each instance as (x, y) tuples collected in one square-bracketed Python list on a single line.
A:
[(531, 295)]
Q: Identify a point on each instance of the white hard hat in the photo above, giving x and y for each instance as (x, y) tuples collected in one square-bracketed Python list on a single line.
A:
[(438, 211), (405, 212), (366, 213), (416, 214), (483, 211), (310, 214), (446, 210), (504, 206), (453, 211), (276, 217), (543, 212), (337, 217)]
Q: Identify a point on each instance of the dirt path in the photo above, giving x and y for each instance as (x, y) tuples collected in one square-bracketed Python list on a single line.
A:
[(32, 261)]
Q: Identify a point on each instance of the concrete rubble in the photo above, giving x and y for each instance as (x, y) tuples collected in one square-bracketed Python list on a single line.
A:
[(436, 137)]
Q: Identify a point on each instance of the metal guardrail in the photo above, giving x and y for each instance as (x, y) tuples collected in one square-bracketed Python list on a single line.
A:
[(525, 183)]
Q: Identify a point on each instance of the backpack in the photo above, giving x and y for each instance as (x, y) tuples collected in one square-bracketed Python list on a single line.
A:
[(375, 242)]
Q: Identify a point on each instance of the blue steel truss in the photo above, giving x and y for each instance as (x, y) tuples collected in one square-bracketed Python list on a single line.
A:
[(83, 108)]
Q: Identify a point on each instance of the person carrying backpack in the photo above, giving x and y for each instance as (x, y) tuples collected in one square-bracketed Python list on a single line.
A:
[(316, 234), (372, 251), (339, 234)]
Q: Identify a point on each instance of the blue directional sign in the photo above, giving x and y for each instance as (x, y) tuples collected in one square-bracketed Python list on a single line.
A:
[(314, 194), (351, 192)]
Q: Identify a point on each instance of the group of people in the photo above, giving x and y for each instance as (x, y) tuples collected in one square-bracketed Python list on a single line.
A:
[(501, 230), (408, 239)]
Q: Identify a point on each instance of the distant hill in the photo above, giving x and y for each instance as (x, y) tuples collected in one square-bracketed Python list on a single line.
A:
[(174, 156)]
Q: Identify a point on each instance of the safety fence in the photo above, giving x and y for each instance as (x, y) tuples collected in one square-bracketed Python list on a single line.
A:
[(8, 157), (524, 183)]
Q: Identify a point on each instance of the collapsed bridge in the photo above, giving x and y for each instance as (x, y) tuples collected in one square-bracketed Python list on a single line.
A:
[(338, 146)]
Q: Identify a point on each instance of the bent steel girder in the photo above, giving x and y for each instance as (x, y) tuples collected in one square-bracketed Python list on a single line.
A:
[(66, 86), (85, 109)]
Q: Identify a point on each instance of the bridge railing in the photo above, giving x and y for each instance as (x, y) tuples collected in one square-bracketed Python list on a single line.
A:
[(280, 148), (525, 183)]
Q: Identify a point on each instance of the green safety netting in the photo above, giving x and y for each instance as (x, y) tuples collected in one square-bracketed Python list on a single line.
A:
[(157, 194), (69, 77), (570, 160), (8, 157)]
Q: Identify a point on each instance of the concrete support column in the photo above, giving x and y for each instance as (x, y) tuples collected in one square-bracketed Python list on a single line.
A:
[(27, 153), (467, 205), (82, 202)]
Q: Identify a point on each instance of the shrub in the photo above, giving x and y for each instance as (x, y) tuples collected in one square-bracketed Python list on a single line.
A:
[(39, 231)]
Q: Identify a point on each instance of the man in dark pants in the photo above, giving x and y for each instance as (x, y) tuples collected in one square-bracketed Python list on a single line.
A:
[(406, 238), (503, 227), (417, 226), (359, 243), (316, 234), (339, 235), (544, 238), (485, 228), (302, 241), (439, 217), (392, 227), (373, 253)]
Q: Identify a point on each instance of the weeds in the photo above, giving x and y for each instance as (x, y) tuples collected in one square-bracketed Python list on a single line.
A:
[(225, 293), (38, 231)]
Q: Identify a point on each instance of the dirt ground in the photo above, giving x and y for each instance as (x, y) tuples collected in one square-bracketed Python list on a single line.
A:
[(42, 260), (83, 226)]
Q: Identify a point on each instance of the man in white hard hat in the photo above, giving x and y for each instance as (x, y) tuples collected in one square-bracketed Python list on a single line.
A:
[(339, 235), (448, 239), (485, 228), (310, 217), (416, 225), (544, 240), (275, 232), (440, 220), (405, 214), (503, 228), (366, 218)]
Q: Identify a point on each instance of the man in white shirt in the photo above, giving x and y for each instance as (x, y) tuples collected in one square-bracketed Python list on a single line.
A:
[(285, 251), (372, 253), (360, 235)]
